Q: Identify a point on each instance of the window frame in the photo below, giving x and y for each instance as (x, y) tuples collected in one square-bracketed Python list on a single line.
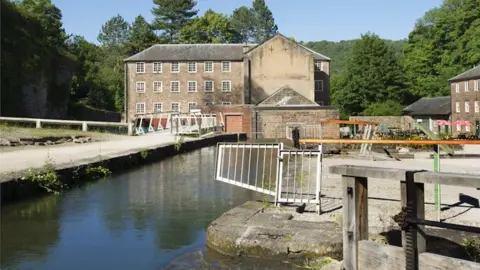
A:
[(477, 106), (457, 87), (459, 128), (161, 86), (230, 86), (171, 67), (143, 66), (229, 66), (154, 64), (144, 108), (205, 86), (315, 86), (467, 107), (171, 106), (190, 103), (318, 68), (476, 85), (188, 86), (457, 107), (465, 85), (205, 65), (188, 67), (171, 86), (208, 103), (144, 86), (154, 106), (227, 103)]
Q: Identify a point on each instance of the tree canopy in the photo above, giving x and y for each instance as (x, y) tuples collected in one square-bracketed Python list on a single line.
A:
[(172, 15)]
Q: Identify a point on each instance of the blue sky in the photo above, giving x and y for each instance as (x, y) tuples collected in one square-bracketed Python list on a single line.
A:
[(306, 20)]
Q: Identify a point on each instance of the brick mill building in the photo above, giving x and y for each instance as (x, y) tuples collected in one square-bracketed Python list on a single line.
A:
[(255, 86), (465, 101)]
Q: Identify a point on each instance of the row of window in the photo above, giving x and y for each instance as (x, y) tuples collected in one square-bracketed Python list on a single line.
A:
[(141, 107), (467, 107), (208, 66), (466, 86), (459, 128), (192, 86)]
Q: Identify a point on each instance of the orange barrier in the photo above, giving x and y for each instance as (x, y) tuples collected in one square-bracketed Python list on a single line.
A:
[(427, 142)]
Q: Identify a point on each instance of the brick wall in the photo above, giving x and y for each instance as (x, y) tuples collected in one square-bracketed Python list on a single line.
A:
[(464, 96), (401, 122), (244, 110)]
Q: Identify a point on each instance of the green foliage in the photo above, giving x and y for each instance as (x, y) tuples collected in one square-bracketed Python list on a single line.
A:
[(264, 23), (141, 36), (178, 144), (115, 32), (387, 108), (48, 179), (172, 15), (98, 172), (472, 247), (144, 154), (212, 27), (241, 21)]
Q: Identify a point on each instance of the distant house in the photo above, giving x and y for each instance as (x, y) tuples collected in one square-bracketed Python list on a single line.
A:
[(465, 93), (427, 111)]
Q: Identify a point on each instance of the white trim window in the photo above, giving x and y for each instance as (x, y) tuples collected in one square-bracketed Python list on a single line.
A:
[(475, 85), (157, 86), (190, 105), (465, 86), (192, 86), (157, 107), (226, 86), (175, 107), (175, 86), (208, 66), (192, 67), (459, 128), (174, 67), (140, 108), (467, 107), (318, 85), (318, 65), (477, 107), (208, 103), (140, 67), (226, 103), (457, 107), (208, 86), (467, 128), (140, 87), (457, 87), (157, 67), (226, 66)]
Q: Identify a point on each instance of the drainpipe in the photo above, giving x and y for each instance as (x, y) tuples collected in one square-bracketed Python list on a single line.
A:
[(125, 94), (249, 82), (256, 125)]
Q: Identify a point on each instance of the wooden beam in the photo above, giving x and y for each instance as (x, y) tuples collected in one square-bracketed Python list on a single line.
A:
[(373, 255), (417, 142), (369, 172), (450, 179)]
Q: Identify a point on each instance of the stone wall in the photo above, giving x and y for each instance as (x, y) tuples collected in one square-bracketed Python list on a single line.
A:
[(245, 111), (401, 122)]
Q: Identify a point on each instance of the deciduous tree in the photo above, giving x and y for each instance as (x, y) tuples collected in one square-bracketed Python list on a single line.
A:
[(212, 27)]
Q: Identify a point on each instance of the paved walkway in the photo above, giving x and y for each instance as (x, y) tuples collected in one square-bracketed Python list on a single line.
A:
[(72, 154)]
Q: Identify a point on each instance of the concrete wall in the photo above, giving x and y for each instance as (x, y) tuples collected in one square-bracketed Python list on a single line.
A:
[(471, 96), (279, 62), (401, 122)]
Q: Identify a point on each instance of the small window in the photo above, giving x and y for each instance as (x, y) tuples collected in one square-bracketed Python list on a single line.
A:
[(157, 67), (192, 67), (208, 103), (465, 86), (318, 85), (175, 107), (174, 86), (140, 67), (226, 66), (175, 67), (457, 87), (157, 107), (467, 107), (157, 86), (475, 85), (467, 128), (318, 65), (190, 106), (140, 108), (208, 86), (457, 107), (140, 87), (192, 86), (226, 86), (226, 103), (477, 107), (208, 66), (459, 128)]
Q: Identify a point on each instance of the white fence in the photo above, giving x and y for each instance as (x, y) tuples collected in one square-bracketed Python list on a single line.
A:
[(84, 124), (291, 176)]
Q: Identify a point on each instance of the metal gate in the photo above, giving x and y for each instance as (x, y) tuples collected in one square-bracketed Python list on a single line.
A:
[(300, 174)]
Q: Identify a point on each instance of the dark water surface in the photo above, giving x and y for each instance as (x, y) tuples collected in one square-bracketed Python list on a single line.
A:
[(141, 219)]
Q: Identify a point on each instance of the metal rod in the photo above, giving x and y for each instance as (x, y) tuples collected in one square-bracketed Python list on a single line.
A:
[(295, 178), (309, 173), (241, 167), (263, 173), (236, 161), (417, 142), (270, 170), (256, 167), (449, 226), (301, 177), (249, 162), (288, 177), (228, 167)]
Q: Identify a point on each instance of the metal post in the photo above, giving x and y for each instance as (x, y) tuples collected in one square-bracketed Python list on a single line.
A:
[(318, 191), (411, 247), (437, 190)]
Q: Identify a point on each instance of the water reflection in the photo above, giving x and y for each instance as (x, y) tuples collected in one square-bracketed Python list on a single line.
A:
[(142, 219)]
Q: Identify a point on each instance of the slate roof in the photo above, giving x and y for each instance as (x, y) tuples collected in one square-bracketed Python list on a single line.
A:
[(469, 74), (190, 52), (429, 106), (286, 96)]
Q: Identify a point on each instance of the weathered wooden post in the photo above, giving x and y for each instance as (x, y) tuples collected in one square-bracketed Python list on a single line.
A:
[(355, 218)]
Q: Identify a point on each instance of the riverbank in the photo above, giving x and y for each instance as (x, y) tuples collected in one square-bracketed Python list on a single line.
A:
[(71, 163)]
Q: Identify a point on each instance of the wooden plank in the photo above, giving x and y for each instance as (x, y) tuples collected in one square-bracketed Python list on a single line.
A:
[(430, 261), (355, 218), (373, 255), (417, 142), (369, 172), (451, 179), (420, 194)]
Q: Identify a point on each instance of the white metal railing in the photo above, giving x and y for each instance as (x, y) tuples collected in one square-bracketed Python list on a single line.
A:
[(84, 124), (291, 176), (175, 123)]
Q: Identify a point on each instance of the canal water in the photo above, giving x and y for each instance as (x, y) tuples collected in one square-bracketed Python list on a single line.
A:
[(145, 218)]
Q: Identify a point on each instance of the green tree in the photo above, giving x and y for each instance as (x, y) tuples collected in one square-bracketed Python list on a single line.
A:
[(115, 32), (141, 36), (264, 23), (387, 108), (242, 23), (172, 15), (372, 75), (212, 27)]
